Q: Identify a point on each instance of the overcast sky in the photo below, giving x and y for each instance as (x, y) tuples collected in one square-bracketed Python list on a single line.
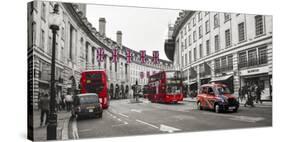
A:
[(142, 28)]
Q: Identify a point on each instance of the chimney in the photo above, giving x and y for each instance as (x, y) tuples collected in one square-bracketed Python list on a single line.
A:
[(119, 38), (102, 26)]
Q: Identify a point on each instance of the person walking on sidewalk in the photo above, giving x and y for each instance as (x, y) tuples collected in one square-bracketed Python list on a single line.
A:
[(250, 96), (44, 106), (258, 93), (68, 101)]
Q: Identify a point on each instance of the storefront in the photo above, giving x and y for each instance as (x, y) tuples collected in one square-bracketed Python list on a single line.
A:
[(258, 76)]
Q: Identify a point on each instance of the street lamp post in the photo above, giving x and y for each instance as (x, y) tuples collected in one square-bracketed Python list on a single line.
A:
[(54, 20)]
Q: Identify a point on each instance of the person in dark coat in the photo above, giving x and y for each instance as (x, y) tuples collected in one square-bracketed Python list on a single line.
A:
[(258, 93), (44, 105)]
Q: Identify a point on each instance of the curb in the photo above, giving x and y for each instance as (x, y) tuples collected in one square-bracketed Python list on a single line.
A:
[(64, 135)]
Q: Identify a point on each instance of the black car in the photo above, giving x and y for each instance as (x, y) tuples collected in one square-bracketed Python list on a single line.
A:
[(87, 105)]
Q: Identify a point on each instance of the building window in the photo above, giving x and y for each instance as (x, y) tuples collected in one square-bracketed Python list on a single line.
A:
[(190, 58), (194, 21), (199, 16), (262, 55), (208, 47), (242, 59), (185, 43), (217, 44), (216, 20), (87, 52), (182, 61), (252, 57), (189, 40), (226, 17), (33, 33), (181, 34), (184, 29), (223, 64), (71, 42), (200, 51), (207, 26), (241, 32), (259, 25), (42, 42), (230, 62), (227, 38), (43, 12), (93, 53), (194, 36), (182, 46), (217, 65), (189, 26), (200, 31), (185, 57), (194, 53)]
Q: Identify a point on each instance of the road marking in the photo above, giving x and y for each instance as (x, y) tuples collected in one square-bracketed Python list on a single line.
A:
[(168, 129), (136, 110), (147, 124), (123, 115), (74, 129), (119, 119), (247, 118)]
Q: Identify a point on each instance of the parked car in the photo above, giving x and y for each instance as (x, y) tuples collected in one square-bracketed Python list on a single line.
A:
[(217, 97), (87, 105)]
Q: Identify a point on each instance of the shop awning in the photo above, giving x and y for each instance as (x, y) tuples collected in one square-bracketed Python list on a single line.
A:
[(221, 78)]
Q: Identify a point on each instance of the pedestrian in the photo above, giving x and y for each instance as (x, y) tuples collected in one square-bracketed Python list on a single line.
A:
[(258, 93), (44, 106), (62, 102), (68, 101), (131, 92), (250, 96)]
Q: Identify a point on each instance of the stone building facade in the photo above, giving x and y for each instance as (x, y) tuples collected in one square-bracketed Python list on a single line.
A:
[(232, 48), (76, 51)]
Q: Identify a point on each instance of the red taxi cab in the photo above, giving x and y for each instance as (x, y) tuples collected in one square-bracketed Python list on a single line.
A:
[(216, 97)]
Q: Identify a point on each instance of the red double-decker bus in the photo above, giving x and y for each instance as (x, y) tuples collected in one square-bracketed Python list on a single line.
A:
[(95, 81), (165, 87)]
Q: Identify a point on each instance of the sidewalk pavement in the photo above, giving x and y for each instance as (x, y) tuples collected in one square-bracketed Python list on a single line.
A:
[(264, 103), (40, 133)]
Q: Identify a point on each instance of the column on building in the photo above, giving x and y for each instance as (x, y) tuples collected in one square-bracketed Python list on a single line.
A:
[(236, 75), (35, 82), (198, 77)]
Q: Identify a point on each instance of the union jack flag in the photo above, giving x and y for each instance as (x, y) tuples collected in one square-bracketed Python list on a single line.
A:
[(141, 75), (129, 56), (115, 55), (142, 56), (100, 54), (155, 57)]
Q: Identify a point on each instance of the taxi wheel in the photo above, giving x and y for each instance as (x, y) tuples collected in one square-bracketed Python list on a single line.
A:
[(199, 107), (217, 108)]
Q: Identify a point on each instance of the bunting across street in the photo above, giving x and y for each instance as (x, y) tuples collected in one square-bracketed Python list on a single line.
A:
[(129, 56), (100, 54), (142, 56), (155, 58), (115, 55)]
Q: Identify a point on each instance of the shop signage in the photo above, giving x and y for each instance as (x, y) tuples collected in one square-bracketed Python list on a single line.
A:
[(254, 71)]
